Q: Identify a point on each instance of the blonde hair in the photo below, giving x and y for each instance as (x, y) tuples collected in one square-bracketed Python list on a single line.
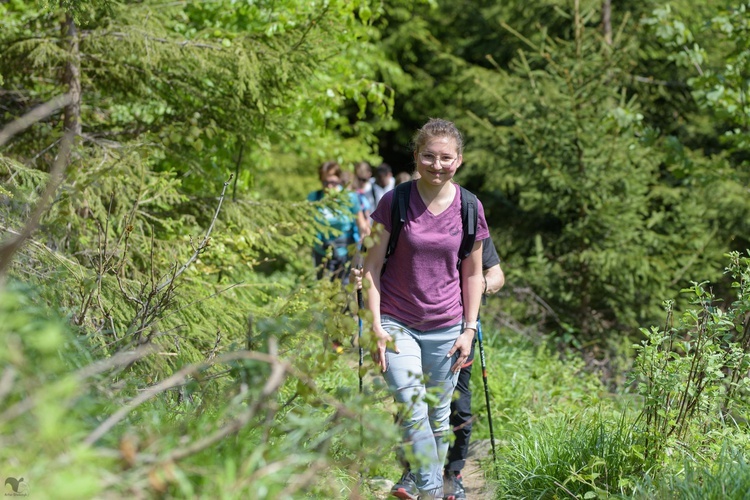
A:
[(437, 127)]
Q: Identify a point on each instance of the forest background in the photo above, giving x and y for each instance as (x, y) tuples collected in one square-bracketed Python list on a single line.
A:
[(164, 332)]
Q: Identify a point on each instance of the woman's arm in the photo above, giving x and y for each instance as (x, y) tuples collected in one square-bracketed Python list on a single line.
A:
[(373, 266), (472, 285)]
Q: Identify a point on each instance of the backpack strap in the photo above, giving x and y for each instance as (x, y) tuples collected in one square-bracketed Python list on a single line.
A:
[(399, 206), (469, 216)]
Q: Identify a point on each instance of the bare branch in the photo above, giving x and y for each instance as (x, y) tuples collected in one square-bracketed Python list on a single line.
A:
[(120, 359), (607, 21), (203, 244), (37, 114), (7, 250), (280, 367)]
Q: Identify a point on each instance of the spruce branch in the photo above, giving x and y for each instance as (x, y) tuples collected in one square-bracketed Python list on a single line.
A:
[(309, 27), (279, 370), (72, 74), (149, 38)]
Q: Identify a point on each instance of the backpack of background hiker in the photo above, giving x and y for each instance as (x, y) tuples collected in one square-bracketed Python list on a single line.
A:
[(469, 216)]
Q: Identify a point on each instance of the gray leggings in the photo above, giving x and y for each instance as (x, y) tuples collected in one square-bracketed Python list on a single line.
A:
[(421, 367)]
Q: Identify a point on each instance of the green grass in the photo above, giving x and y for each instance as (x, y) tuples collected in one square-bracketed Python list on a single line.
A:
[(581, 456)]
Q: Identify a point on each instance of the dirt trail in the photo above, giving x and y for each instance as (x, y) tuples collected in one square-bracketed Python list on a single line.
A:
[(474, 480), (475, 483)]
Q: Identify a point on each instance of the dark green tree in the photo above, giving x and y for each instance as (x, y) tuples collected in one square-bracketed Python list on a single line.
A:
[(582, 194)]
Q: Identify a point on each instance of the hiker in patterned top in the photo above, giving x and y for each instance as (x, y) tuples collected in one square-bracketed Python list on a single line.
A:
[(331, 253), (425, 304)]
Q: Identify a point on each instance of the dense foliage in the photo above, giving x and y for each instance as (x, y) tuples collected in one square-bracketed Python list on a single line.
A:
[(166, 334)]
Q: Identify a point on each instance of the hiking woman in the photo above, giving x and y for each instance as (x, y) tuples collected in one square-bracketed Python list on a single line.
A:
[(425, 304), (343, 228)]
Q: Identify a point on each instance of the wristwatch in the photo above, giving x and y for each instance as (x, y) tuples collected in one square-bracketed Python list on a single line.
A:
[(471, 324)]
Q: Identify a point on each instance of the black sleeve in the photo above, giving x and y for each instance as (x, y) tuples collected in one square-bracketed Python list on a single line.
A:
[(489, 254)]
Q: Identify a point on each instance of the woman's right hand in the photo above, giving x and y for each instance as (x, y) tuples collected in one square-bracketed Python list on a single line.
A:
[(355, 276), (383, 339)]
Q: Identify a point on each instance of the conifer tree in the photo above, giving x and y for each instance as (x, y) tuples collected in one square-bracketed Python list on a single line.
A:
[(581, 192), (167, 101)]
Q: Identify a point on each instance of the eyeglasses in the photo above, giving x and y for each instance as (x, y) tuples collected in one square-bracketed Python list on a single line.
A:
[(430, 159), (331, 183)]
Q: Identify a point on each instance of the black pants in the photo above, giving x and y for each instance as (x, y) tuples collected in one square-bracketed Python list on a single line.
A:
[(461, 418)]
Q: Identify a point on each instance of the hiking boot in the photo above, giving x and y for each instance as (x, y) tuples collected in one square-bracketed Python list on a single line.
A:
[(454, 486), (406, 487)]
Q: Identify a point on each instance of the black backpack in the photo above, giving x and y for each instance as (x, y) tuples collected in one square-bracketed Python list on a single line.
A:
[(469, 216)]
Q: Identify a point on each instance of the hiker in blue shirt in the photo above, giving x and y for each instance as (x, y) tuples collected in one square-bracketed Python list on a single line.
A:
[(331, 251)]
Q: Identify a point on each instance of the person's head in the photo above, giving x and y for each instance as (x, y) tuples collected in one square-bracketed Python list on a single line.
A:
[(330, 175), (348, 180), (402, 177), (383, 174), (363, 171), (438, 151)]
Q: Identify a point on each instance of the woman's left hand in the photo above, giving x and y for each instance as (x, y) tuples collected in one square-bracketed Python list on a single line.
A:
[(463, 346)]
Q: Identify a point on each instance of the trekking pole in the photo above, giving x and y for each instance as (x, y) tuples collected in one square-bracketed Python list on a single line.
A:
[(483, 359), (360, 307)]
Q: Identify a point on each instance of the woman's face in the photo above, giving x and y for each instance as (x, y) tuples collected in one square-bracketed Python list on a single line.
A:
[(331, 182), (438, 160)]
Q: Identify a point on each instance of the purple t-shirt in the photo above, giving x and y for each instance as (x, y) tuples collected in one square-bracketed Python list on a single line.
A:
[(420, 286)]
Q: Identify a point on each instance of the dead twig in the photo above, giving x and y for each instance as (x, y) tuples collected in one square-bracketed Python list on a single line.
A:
[(119, 359), (203, 244), (7, 250), (37, 114), (178, 379)]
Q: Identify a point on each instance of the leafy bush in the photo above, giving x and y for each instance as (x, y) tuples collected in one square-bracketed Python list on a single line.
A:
[(727, 478), (692, 376)]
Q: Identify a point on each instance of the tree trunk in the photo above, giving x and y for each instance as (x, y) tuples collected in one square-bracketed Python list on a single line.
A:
[(607, 21), (72, 75)]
